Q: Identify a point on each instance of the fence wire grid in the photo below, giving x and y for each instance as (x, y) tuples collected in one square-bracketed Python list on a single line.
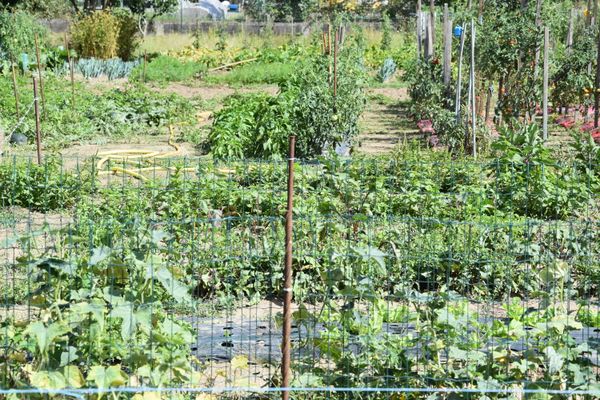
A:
[(412, 279)]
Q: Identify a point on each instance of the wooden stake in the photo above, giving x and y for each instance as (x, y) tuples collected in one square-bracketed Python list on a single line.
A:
[(38, 135), (597, 86), (473, 101), (15, 90), (72, 72), (545, 84), (419, 31), (144, 67), (432, 26), (39, 65), (570, 31), (447, 48)]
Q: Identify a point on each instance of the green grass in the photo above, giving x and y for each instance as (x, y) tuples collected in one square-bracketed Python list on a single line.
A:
[(254, 73), (168, 69)]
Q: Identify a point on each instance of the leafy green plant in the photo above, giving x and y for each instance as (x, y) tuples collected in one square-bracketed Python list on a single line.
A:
[(17, 31), (388, 68), (168, 69), (96, 35)]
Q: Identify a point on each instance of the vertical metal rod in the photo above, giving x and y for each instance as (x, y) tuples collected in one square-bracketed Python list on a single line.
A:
[(39, 65), (38, 135), (459, 78), (545, 87), (15, 90), (335, 56), (473, 100), (288, 284), (71, 68)]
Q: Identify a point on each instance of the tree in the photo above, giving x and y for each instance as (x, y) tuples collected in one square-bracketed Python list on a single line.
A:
[(156, 7)]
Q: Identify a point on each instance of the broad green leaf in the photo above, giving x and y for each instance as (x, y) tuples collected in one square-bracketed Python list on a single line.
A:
[(175, 288), (107, 377), (48, 380), (171, 328), (99, 254), (67, 357), (73, 377), (54, 264), (555, 360), (44, 336)]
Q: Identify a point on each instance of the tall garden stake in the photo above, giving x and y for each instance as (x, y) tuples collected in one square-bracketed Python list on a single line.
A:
[(15, 89), (38, 135), (39, 67), (286, 350), (447, 73), (335, 60), (459, 77), (71, 67), (473, 100), (545, 87), (597, 86)]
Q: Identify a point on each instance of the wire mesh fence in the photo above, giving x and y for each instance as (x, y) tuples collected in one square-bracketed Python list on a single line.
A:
[(412, 279)]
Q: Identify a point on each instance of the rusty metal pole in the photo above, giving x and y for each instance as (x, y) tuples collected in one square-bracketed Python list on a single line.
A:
[(38, 135), (288, 284), (15, 90), (39, 66)]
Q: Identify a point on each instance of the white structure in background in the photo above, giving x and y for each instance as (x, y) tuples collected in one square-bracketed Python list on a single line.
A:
[(204, 8)]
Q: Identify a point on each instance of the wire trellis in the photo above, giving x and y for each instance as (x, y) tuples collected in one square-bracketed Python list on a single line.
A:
[(411, 279)]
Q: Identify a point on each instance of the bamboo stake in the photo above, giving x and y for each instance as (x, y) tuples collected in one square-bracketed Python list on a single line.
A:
[(335, 56)]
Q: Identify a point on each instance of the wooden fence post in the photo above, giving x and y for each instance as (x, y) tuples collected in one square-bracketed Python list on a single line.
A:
[(39, 66), (447, 48)]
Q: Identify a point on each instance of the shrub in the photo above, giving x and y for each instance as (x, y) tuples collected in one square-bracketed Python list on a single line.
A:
[(96, 35), (128, 39), (17, 30)]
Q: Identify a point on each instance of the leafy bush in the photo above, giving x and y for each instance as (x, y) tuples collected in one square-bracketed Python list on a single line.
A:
[(128, 39), (37, 187), (96, 35), (17, 30), (306, 102), (168, 69)]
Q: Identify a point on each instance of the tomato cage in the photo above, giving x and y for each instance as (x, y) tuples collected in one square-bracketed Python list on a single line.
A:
[(412, 278)]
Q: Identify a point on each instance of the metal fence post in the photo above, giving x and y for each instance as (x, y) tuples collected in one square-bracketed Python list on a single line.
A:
[(288, 284)]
